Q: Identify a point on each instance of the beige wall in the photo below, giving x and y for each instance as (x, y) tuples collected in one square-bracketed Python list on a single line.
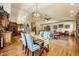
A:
[(51, 23)]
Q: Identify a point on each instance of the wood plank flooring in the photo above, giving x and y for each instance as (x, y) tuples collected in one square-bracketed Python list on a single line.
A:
[(57, 50)]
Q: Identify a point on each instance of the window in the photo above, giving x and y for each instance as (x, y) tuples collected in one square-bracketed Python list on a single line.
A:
[(67, 26), (60, 25), (54, 26)]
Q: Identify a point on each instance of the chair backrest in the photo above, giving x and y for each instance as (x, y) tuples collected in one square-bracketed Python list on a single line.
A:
[(46, 35), (46, 38), (29, 41), (23, 38), (41, 34)]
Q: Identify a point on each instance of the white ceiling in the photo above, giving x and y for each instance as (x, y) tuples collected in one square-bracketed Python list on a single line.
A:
[(53, 10)]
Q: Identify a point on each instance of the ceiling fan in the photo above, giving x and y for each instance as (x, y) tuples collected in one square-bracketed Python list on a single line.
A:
[(46, 17)]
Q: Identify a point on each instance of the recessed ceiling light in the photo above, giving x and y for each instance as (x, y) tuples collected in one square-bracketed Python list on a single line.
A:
[(71, 11), (71, 4)]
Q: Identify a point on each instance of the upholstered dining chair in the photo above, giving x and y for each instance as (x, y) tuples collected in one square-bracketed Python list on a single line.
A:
[(41, 34), (23, 39), (46, 37), (31, 46)]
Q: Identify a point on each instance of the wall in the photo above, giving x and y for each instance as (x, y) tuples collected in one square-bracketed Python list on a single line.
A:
[(7, 7), (71, 23), (63, 29)]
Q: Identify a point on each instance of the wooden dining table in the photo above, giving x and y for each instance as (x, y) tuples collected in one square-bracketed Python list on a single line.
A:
[(37, 39)]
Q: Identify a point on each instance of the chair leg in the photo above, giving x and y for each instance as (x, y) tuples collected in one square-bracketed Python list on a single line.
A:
[(42, 49), (47, 48), (27, 51), (23, 47), (32, 53)]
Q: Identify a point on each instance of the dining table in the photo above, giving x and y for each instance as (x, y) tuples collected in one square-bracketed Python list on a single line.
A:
[(37, 39)]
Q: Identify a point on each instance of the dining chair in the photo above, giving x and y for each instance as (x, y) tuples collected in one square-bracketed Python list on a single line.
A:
[(46, 37), (41, 34), (23, 39), (31, 46)]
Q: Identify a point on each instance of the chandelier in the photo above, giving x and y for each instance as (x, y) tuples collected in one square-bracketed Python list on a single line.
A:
[(36, 13)]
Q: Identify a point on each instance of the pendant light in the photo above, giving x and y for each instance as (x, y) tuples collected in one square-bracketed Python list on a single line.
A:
[(36, 13)]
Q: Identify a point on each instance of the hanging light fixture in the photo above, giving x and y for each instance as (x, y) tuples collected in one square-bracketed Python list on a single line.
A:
[(36, 13)]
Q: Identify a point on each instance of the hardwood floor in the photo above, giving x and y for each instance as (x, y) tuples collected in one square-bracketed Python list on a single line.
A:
[(72, 49), (56, 50)]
